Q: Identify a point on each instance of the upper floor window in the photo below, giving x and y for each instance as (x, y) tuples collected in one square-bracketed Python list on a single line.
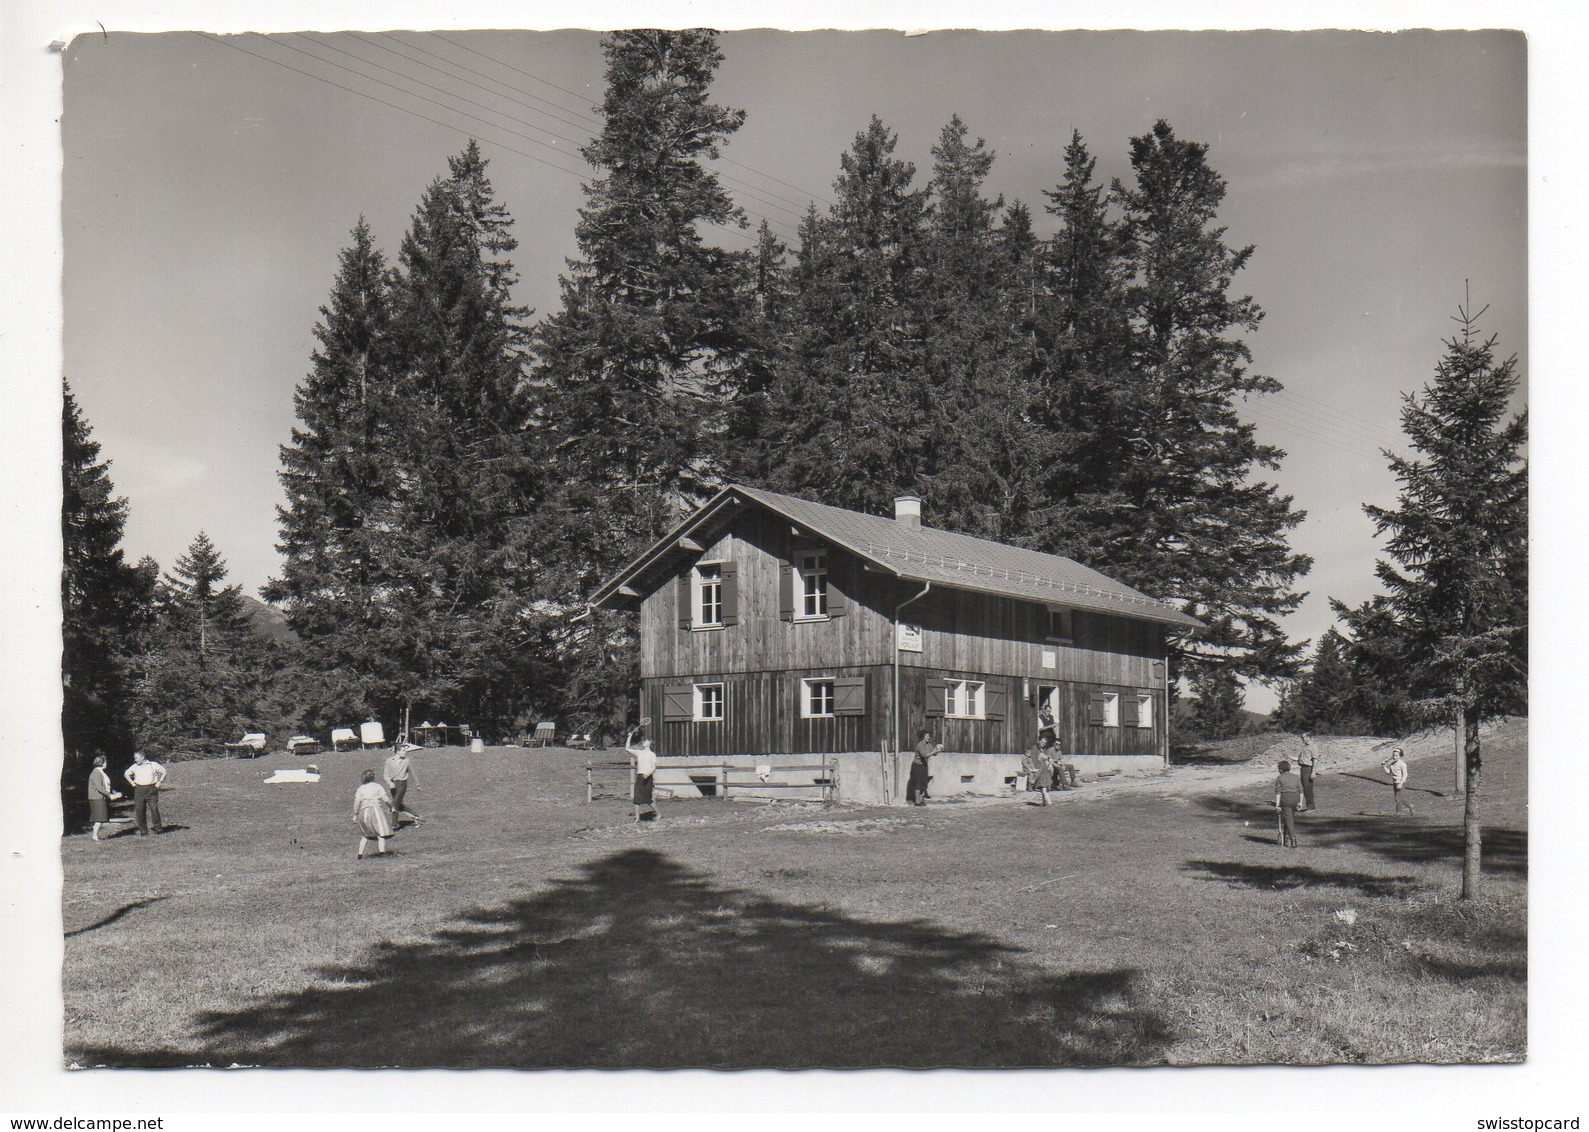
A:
[(1061, 624), (709, 595), (814, 584)]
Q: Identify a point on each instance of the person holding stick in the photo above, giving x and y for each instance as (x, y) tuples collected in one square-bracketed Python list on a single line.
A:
[(645, 770), (1396, 767), (1288, 793), (398, 773)]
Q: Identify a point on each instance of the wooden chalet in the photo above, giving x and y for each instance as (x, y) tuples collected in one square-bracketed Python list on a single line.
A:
[(773, 625)]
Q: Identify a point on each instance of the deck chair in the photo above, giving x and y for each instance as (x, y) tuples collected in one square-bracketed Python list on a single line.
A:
[(303, 745), (545, 732), (372, 734), (250, 746), (342, 738)]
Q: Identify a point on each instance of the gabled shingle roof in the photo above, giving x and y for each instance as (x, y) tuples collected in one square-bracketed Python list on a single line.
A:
[(922, 554)]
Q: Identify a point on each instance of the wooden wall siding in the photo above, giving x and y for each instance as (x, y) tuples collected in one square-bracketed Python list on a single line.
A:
[(960, 630), (759, 544), (763, 715)]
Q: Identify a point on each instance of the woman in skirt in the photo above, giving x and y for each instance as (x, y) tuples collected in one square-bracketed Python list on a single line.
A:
[(372, 809), (100, 795), (645, 769)]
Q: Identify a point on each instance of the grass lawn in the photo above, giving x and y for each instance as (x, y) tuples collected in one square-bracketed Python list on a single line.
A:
[(521, 927)]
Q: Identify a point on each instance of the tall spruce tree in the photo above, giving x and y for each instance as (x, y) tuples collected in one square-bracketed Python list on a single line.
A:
[(459, 563), (1081, 334), (1187, 520), (103, 604), (642, 372), (981, 470), (851, 409), (1457, 584)]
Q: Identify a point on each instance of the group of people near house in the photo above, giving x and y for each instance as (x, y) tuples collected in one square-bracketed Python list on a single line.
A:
[(379, 806), (1293, 790)]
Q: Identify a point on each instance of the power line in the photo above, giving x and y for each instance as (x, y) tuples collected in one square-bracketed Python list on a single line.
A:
[(573, 94), (580, 174), (471, 102)]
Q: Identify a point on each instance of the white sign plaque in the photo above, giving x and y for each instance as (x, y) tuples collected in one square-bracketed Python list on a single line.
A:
[(909, 638)]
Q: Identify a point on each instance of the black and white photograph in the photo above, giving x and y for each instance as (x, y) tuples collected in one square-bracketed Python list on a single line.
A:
[(593, 547)]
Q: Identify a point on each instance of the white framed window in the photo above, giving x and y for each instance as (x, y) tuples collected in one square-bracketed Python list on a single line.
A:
[(816, 698), (813, 585), (1108, 708), (709, 595), (1145, 712), (709, 702), (1061, 624), (963, 699)]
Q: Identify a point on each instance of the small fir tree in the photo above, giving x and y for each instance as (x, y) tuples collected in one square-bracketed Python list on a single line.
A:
[(1456, 579)]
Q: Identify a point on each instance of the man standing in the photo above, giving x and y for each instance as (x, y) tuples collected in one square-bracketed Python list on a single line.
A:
[(1396, 767), (145, 777), (916, 786), (399, 772), (1305, 763)]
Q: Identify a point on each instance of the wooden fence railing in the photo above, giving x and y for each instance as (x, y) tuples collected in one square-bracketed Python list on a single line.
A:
[(714, 780)]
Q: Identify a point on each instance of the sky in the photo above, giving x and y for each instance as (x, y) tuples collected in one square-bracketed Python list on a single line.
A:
[(210, 181), (205, 202)]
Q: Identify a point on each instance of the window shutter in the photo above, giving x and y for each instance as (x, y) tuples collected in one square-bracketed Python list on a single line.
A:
[(993, 701), (937, 697), (686, 600), (730, 593), (1097, 709), (836, 603), (678, 703), (1129, 709), (849, 695), (786, 591)]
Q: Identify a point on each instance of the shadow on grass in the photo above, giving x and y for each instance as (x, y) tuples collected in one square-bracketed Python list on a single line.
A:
[(643, 963), (1385, 783), (116, 915), (1282, 877), (1405, 840)]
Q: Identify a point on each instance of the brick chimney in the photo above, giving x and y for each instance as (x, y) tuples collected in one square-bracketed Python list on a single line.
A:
[(907, 510)]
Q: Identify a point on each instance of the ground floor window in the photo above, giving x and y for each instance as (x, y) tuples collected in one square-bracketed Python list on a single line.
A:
[(816, 698), (963, 699), (1103, 709), (709, 702)]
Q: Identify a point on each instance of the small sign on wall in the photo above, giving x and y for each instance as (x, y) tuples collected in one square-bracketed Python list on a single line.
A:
[(909, 638), (1050, 658)]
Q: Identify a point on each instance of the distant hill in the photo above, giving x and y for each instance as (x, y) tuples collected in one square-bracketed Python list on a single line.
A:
[(268, 621)]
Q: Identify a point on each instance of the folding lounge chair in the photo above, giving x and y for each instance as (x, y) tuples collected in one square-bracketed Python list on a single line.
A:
[(545, 732), (250, 746), (343, 739)]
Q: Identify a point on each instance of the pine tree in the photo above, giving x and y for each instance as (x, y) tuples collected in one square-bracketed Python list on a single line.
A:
[(204, 675), (1216, 711), (851, 405), (459, 631), (339, 471), (103, 602), (1324, 698), (1188, 522), (645, 379), (1457, 584), (1081, 336), (1377, 657)]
